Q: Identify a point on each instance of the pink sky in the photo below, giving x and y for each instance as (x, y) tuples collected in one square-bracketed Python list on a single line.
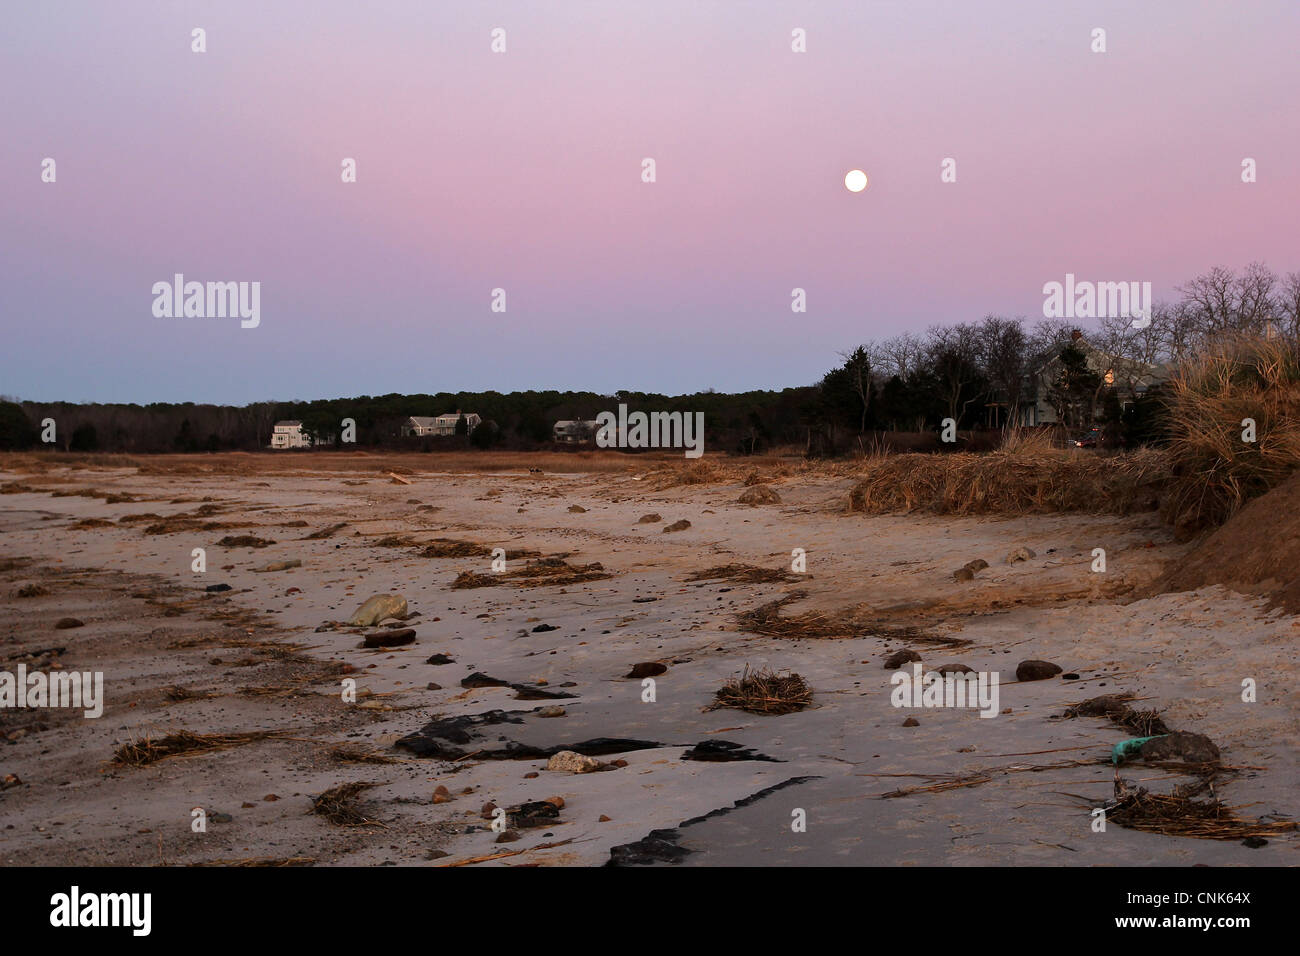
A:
[(522, 171)]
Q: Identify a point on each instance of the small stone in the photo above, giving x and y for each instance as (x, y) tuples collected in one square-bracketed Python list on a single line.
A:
[(552, 712), (438, 659), (64, 623), (488, 810), (507, 836), (955, 669), (531, 775), (441, 795), (391, 638), (647, 669), (602, 819), (577, 510), (1021, 554), (270, 798), (963, 574), (911, 722), (897, 659), (557, 802), (677, 526), (649, 519), (543, 628)]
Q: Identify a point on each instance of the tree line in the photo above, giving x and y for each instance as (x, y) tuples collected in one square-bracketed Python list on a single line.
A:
[(981, 374)]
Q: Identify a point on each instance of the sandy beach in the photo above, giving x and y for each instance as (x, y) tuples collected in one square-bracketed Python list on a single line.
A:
[(684, 784)]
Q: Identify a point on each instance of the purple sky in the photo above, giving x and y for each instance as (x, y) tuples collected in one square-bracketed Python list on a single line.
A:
[(522, 171)]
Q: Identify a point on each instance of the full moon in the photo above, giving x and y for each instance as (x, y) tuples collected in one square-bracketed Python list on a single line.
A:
[(855, 180)]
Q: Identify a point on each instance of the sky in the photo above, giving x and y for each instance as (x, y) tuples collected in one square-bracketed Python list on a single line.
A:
[(522, 171)]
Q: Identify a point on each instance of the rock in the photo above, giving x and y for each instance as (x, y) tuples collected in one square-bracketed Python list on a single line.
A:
[(488, 810), (963, 574), (1021, 554), (378, 608), (432, 686), (566, 761), (436, 854), (552, 712), (64, 623), (538, 813), (557, 802), (1254, 842), (1192, 748), (759, 495), (270, 798), (279, 566), (1070, 676), (677, 526), (507, 836), (440, 659), (577, 510), (603, 819), (1036, 670), (543, 628), (955, 669), (391, 638), (911, 722), (647, 669), (441, 795), (979, 564), (479, 679), (215, 588), (897, 659), (649, 519)]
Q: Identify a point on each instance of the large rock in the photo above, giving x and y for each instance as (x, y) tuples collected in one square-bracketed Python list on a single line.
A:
[(567, 761), (1036, 670), (379, 608)]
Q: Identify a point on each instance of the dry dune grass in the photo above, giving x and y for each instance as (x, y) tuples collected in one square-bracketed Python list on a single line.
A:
[(1025, 476), (764, 691), (1215, 471)]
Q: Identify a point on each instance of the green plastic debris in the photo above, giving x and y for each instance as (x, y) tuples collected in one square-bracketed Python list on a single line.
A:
[(1127, 748)]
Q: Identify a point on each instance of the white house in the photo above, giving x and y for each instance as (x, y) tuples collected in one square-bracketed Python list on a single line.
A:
[(574, 431), (442, 426), (289, 435)]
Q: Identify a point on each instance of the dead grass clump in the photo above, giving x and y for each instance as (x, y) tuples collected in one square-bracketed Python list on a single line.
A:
[(1179, 815), (1012, 483), (31, 591), (452, 548), (262, 861), (16, 488), (766, 620), (338, 805), (394, 541), (326, 532), (542, 573), (87, 524), (244, 541), (1214, 471), (764, 692), (179, 523), (182, 744), (742, 573), (1143, 723), (759, 495)]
